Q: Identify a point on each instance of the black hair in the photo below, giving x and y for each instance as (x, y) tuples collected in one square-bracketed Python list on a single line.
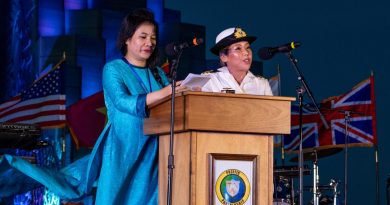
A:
[(130, 24), (224, 51)]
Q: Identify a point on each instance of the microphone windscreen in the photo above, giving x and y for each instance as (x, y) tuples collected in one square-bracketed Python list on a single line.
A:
[(265, 53), (197, 41), (170, 49), (295, 45)]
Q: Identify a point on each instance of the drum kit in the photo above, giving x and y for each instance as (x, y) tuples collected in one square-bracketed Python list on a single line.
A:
[(284, 192)]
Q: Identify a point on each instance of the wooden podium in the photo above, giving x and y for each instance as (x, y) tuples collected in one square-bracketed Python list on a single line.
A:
[(211, 127)]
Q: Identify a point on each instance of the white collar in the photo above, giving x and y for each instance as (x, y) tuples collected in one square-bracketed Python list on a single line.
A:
[(224, 69)]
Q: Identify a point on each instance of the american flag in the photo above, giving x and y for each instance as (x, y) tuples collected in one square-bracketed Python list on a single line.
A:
[(42, 104), (359, 103)]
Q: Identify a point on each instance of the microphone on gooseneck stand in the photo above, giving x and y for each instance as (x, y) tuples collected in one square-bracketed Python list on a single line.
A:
[(267, 53), (174, 48)]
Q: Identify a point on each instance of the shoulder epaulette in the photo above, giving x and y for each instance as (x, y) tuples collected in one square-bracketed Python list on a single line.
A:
[(259, 76), (209, 71)]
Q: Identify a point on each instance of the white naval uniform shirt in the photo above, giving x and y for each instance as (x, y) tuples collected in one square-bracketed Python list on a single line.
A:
[(250, 84)]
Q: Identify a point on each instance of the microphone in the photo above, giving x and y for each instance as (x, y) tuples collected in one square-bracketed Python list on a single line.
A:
[(267, 53), (173, 49)]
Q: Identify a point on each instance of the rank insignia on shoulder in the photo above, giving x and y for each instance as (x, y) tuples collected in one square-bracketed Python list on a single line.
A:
[(208, 72), (259, 76)]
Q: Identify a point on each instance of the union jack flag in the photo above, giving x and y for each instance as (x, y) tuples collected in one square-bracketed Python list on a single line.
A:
[(42, 104), (358, 104)]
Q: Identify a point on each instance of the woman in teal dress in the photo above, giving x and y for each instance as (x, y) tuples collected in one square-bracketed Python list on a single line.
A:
[(123, 162)]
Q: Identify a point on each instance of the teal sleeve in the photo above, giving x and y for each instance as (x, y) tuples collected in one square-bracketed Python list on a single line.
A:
[(118, 94), (142, 109)]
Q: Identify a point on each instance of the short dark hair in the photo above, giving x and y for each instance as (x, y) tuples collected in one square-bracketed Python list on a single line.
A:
[(224, 51), (130, 24)]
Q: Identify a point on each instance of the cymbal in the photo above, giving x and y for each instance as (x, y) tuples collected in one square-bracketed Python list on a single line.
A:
[(319, 188), (290, 171), (311, 156)]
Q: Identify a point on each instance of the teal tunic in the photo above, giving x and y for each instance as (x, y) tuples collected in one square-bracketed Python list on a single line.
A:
[(123, 160)]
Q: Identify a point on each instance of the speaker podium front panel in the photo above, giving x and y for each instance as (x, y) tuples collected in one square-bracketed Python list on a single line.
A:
[(223, 146)]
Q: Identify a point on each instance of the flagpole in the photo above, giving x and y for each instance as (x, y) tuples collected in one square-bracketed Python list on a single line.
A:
[(62, 60), (280, 94), (279, 81), (375, 143), (377, 174), (347, 115)]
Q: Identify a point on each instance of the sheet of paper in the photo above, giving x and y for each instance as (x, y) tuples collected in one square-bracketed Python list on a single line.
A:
[(195, 81)]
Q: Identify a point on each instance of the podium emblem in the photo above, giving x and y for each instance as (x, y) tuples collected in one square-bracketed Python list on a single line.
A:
[(232, 186)]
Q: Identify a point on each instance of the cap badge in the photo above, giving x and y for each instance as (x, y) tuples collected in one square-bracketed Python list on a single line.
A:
[(239, 33)]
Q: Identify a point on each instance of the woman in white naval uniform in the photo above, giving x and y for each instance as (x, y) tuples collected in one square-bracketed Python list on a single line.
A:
[(233, 48)]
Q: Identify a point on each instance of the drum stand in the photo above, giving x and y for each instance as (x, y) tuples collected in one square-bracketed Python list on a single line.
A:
[(316, 190), (333, 184)]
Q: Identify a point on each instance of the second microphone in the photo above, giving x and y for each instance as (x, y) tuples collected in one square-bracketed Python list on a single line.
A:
[(267, 53), (173, 49)]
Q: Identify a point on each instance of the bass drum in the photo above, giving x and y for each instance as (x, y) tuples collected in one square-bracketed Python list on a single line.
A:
[(280, 202), (282, 191)]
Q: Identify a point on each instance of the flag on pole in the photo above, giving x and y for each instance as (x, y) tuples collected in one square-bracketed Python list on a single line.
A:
[(42, 104), (86, 119), (358, 103), (275, 84), (165, 67)]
